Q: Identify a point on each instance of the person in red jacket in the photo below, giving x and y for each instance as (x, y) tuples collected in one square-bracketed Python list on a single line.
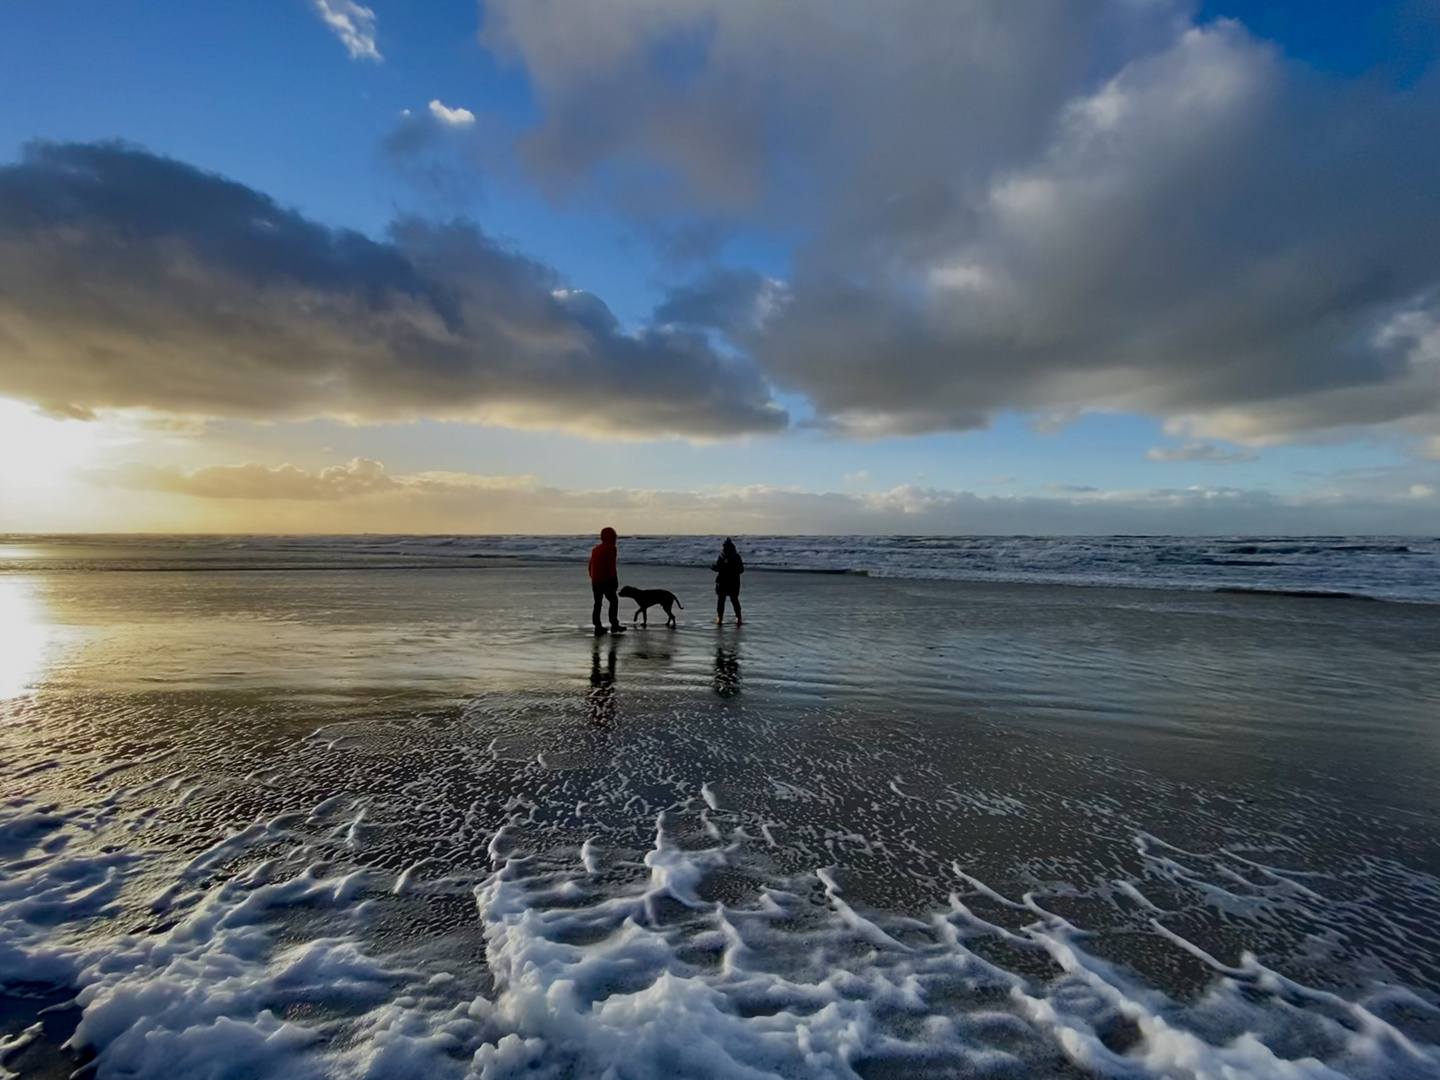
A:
[(604, 579)]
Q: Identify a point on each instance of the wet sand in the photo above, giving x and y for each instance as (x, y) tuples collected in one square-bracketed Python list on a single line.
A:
[(364, 821)]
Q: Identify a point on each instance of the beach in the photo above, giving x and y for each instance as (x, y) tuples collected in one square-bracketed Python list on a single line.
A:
[(288, 810)]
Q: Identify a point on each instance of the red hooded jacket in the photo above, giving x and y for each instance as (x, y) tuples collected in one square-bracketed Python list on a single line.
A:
[(602, 559)]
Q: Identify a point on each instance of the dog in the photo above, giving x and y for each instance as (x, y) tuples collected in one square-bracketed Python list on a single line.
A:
[(645, 599)]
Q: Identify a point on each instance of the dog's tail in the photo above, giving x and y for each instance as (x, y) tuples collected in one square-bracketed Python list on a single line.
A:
[(678, 604)]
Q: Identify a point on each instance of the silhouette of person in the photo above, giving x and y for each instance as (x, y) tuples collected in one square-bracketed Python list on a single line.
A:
[(604, 580), (728, 568), (600, 698), (727, 672)]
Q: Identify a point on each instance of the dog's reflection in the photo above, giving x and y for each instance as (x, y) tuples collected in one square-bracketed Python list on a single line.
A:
[(727, 670), (600, 698)]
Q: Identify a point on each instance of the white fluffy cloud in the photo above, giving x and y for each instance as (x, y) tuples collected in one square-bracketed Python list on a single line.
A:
[(1040, 207), (353, 24), (453, 117), (132, 281)]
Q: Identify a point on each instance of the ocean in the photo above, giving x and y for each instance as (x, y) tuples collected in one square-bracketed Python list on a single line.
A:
[(384, 807), (1376, 567)]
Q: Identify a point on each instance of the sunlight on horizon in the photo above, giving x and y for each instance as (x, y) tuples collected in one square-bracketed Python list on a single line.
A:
[(38, 450)]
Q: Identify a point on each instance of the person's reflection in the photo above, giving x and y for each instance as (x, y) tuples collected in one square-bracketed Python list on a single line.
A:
[(727, 670), (601, 696)]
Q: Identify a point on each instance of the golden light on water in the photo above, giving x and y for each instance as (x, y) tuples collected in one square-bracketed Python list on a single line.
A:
[(24, 635)]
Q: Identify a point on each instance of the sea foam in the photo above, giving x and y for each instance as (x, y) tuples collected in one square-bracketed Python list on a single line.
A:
[(640, 978)]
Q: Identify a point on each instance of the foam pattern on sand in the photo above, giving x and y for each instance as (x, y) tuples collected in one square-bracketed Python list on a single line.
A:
[(473, 894)]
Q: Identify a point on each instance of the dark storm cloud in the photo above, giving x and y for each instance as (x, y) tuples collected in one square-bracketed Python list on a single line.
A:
[(729, 300), (1042, 207), (131, 280)]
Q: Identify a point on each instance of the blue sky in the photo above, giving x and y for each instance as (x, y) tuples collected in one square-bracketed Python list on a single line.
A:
[(630, 150)]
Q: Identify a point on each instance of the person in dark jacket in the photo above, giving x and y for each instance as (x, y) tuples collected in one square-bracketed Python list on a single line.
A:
[(728, 569), (604, 580)]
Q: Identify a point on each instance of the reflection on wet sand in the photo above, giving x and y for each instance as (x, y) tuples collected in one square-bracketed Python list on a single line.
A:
[(600, 698), (727, 669), (24, 632)]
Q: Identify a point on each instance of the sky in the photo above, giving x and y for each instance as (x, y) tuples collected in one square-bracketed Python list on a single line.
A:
[(830, 266)]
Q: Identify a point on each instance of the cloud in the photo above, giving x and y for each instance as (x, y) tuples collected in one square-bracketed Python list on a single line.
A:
[(454, 117), (129, 280), (1199, 452), (357, 477), (353, 24), (1044, 208), (444, 154), (742, 108), (251, 480), (363, 496)]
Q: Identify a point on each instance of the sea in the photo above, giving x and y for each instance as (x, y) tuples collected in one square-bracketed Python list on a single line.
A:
[(1399, 568), (386, 807)]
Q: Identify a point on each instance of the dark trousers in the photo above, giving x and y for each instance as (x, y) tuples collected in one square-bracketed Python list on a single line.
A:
[(605, 590), (720, 594)]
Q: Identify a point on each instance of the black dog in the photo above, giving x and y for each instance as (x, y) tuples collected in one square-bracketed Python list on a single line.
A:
[(648, 598)]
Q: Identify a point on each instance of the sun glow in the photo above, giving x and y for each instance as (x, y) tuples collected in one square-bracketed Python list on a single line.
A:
[(37, 450)]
